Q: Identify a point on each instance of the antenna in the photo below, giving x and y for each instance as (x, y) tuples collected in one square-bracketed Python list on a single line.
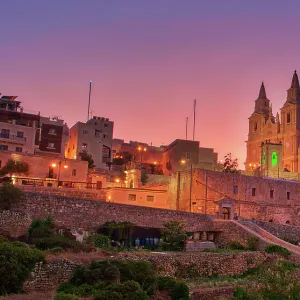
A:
[(186, 127), (194, 119), (90, 91)]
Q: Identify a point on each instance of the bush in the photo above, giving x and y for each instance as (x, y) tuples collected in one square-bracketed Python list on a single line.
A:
[(277, 249), (108, 295), (83, 290), (253, 243), (3, 239), (177, 289), (165, 282), (57, 250), (41, 228), (9, 195), (65, 297), (17, 260), (235, 246), (100, 241)]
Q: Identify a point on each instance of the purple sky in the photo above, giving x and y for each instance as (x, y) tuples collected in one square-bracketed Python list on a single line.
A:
[(148, 60)]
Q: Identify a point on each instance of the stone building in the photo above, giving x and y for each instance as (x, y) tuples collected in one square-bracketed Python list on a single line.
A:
[(285, 129), (94, 136)]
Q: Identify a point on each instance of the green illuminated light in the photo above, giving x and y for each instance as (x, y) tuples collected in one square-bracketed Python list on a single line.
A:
[(274, 159)]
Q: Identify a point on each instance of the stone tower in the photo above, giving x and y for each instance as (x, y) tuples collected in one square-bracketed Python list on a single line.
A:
[(271, 159), (284, 129)]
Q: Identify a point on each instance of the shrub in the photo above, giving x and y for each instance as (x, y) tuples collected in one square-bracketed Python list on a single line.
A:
[(65, 297), (108, 295), (9, 195), (253, 243), (56, 250), (16, 261), (235, 246), (41, 228), (165, 282), (177, 289), (174, 236), (3, 239), (100, 241), (277, 249)]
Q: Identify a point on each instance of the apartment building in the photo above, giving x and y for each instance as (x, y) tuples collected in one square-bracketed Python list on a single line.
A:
[(94, 136)]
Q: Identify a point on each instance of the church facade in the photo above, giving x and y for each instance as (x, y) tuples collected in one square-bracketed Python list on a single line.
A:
[(282, 129)]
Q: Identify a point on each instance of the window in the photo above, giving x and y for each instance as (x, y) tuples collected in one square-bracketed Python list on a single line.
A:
[(105, 136), (235, 189), (51, 145), (253, 192), (105, 125), (150, 198), (188, 155), (5, 133), (132, 197), (68, 150), (255, 126), (84, 146), (20, 134), (19, 149), (288, 117), (97, 133), (274, 159), (96, 123), (52, 131), (271, 193), (74, 172), (3, 147), (288, 195), (85, 132)]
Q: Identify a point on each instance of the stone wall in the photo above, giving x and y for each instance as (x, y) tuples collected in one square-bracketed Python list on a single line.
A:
[(182, 265), (87, 214), (281, 231), (216, 293)]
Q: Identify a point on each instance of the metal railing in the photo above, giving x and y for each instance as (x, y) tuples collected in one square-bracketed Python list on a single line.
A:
[(12, 137)]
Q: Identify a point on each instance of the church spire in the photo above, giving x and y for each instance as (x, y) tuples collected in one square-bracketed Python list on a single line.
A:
[(295, 81), (262, 92)]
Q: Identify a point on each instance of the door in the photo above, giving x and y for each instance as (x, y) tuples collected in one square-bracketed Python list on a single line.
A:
[(99, 185), (226, 213)]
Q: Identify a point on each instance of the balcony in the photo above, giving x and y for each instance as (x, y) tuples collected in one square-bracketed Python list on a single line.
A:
[(12, 138), (51, 175)]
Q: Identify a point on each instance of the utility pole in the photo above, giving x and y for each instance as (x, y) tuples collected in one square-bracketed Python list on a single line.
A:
[(186, 128), (90, 91), (194, 119)]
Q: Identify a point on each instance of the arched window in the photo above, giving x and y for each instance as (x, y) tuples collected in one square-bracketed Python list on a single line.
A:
[(274, 159), (287, 222), (255, 126), (288, 117)]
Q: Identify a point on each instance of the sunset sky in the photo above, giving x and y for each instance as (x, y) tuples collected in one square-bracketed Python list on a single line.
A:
[(149, 59)]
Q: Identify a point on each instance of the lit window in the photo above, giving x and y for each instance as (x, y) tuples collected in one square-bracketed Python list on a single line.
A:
[(51, 145), (74, 172), (52, 131), (84, 146), (132, 197), (274, 159), (235, 189), (19, 149), (271, 193), (253, 192), (288, 195), (150, 198)]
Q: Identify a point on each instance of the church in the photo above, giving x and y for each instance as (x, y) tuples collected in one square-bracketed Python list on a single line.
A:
[(280, 132)]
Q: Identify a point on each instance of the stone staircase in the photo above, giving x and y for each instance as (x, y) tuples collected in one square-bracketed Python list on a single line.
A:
[(266, 236)]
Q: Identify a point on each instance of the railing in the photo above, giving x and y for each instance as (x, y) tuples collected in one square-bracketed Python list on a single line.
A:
[(52, 176), (12, 137)]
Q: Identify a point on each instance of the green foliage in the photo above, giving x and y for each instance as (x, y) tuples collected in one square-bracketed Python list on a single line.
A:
[(56, 250), (173, 235), (278, 249), (230, 165), (253, 243), (15, 167), (16, 262), (99, 241), (177, 289), (9, 194), (240, 294), (41, 228), (3, 239), (85, 156), (63, 296), (235, 246), (144, 178)]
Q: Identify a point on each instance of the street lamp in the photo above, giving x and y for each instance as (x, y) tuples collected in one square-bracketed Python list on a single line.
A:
[(59, 166), (141, 149), (183, 162)]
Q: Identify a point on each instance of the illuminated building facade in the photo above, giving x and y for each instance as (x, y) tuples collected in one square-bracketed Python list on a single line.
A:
[(284, 130)]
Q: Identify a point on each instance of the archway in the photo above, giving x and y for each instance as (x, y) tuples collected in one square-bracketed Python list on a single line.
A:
[(226, 213)]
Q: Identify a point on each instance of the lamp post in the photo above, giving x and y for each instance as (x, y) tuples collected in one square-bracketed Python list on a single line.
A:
[(59, 166), (183, 162), (141, 149)]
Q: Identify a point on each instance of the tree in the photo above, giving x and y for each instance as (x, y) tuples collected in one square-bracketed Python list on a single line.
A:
[(15, 167), (85, 156), (9, 195), (230, 165), (174, 236)]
